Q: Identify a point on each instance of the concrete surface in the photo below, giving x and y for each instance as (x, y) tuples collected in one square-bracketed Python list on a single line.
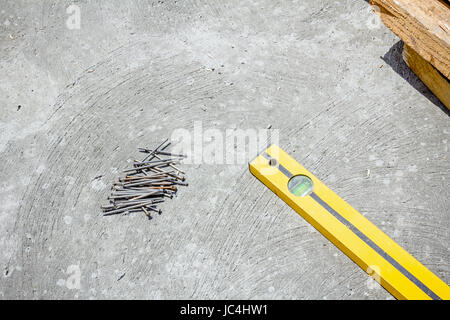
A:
[(319, 70)]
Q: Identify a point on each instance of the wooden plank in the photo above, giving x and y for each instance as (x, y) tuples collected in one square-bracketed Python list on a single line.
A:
[(432, 78), (422, 25)]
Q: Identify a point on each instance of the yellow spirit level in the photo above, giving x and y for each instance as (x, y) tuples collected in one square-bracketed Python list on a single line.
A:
[(377, 254)]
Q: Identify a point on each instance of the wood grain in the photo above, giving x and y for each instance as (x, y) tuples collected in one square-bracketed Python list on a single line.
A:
[(422, 25), (432, 78)]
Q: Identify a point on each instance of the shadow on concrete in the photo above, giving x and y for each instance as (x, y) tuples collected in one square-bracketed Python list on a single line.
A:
[(395, 60)]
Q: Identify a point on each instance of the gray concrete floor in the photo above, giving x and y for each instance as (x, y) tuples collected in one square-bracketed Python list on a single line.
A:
[(318, 70)]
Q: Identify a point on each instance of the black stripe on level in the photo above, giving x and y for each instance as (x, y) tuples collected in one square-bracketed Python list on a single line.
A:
[(363, 237)]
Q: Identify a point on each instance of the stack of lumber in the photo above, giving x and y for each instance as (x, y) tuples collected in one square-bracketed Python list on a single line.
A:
[(424, 27)]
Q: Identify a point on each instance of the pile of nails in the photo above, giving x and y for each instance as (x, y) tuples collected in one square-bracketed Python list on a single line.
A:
[(148, 183)]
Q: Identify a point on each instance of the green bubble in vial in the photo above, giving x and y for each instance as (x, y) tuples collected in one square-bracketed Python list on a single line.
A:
[(300, 185)]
